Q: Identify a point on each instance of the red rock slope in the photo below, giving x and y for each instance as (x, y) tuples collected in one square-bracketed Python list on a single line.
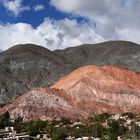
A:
[(42, 103), (85, 91), (99, 89)]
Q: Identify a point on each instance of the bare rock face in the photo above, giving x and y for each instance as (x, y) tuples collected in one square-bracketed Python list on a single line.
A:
[(110, 85), (83, 92), (25, 66), (41, 103)]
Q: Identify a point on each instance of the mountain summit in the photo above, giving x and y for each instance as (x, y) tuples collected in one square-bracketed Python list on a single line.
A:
[(121, 53), (26, 66)]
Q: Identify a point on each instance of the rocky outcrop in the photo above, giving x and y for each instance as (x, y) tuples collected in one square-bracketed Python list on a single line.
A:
[(84, 92)]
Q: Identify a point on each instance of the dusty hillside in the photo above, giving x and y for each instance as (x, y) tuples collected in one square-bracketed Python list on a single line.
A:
[(85, 91), (26, 66), (41, 103), (114, 86)]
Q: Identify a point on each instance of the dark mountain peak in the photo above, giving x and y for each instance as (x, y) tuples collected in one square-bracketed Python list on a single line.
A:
[(27, 65), (122, 53), (106, 43), (118, 42), (30, 52), (26, 48)]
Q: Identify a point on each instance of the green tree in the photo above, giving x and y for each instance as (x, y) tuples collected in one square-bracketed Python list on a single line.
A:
[(60, 134), (135, 131), (34, 127), (109, 136), (5, 120), (114, 127), (102, 117), (18, 120), (65, 121), (129, 115)]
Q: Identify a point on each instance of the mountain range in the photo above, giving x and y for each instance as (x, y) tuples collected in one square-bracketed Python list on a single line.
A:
[(76, 82), (23, 67), (84, 92), (121, 53)]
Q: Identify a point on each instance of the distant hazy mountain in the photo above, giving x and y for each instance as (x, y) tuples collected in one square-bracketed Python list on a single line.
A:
[(122, 53), (23, 67)]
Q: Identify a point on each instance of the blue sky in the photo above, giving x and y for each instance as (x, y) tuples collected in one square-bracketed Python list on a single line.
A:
[(31, 17), (57, 24), (36, 18)]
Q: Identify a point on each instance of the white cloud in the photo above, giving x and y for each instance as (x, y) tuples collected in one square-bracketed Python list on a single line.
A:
[(115, 20), (14, 6), (109, 15), (38, 7), (50, 34), (129, 34)]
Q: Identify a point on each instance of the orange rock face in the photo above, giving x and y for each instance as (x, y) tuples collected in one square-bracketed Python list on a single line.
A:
[(100, 89), (83, 92)]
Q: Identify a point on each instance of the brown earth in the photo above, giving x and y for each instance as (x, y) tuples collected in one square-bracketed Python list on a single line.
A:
[(25, 66), (83, 92)]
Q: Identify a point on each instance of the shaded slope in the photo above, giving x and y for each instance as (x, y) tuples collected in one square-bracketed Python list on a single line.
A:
[(9, 84), (122, 53), (32, 66)]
